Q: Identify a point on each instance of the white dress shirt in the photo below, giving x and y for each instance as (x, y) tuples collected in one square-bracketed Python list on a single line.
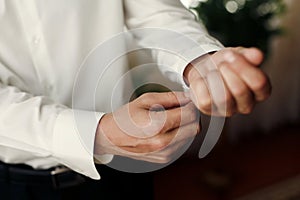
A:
[(42, 45)]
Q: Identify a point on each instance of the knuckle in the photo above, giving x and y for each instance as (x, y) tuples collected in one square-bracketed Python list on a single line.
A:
[(239, 91), (230, 113), (159, 144), (247, 109), (231, 55), (206, 112), (205, 103), (225, 100), (144, 98), (147, 98), (260, 83), (239, 49)]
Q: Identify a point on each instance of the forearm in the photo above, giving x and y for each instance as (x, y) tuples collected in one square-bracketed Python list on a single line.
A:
[(175, 37)]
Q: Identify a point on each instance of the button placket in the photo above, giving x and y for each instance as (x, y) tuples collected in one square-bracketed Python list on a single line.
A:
[(36, 39), (2, 7), (37, 44)]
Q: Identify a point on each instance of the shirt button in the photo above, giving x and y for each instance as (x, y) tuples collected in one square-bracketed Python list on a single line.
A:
[(49, 88), (36, 40)]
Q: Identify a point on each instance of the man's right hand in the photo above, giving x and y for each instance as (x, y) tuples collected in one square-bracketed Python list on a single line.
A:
[(151, 128)]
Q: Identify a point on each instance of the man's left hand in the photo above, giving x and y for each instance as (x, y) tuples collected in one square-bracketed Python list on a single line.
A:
[(228, 81)]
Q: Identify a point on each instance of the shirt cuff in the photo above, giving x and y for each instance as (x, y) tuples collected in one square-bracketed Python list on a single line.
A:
[(73, 141), (190, 56), (174, 68)]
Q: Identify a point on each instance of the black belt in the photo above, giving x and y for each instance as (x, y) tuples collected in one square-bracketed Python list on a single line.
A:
[(57, 178)]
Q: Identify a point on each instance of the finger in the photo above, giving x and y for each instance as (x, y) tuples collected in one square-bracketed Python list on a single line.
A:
[(200, 95), (239, 90), (182, 140), (254, 78), (253, 55), (162, 148), (181, 116), (164, 99), (221, 96), (170, 119), (158, 142), (185, 132)]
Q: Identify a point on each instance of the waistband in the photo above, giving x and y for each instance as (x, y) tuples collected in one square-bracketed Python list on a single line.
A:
[(57, 177)]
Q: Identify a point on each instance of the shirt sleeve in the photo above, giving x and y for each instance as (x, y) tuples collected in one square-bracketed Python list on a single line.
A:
[(171, 28), (36, 127)]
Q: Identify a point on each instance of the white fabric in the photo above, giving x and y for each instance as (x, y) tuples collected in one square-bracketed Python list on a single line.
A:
[(42, 45), (191, 3)]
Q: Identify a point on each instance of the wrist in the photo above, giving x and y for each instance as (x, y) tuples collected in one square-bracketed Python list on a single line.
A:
[(191, 72), (101, 138)]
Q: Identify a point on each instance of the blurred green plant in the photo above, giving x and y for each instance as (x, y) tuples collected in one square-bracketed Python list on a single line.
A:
[(248, 23)]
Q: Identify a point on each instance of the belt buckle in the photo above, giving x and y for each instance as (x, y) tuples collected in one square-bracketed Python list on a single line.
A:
[(56, 171)]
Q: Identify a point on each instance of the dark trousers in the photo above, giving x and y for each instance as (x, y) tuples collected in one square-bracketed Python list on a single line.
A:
[(113, 185)]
